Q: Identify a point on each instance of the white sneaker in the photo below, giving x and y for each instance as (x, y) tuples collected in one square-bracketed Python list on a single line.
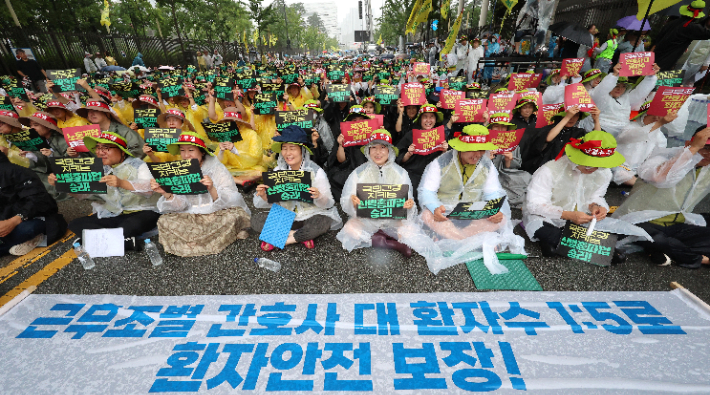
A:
[(26, 247)]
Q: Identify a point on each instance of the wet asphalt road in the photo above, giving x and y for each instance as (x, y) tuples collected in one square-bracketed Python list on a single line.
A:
[(329, 269)]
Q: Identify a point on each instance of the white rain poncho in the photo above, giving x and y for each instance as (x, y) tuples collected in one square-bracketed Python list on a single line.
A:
[(442, 184), (117, 200), (357, 232), (636, 142), (556, 93), (228, 194), (321, 206), (675, 131), (667, 185), (615, 113), (559, 186)]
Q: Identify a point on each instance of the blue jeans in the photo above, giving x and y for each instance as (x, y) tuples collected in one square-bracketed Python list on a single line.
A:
[(25, 231)]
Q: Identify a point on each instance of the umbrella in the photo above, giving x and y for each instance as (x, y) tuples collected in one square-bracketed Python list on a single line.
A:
[(675, 8), (631, 23), (113, 68), (387, 56), (166, 68), (573, 32)]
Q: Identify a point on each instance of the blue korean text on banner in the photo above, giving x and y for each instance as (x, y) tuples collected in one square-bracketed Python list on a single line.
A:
[(278, 225)]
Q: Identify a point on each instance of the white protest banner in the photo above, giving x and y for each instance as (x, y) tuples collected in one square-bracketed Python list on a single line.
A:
[(440, 343)]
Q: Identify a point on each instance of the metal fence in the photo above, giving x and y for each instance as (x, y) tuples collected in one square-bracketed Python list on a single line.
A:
[(602, 13), (57, 50)]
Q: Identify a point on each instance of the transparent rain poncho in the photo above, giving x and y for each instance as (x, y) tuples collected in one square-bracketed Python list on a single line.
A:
[(667, 185), (636, 142), (117, 200), (228, 194), (559, 186), (442, 184), (357, 232), (324, 205)]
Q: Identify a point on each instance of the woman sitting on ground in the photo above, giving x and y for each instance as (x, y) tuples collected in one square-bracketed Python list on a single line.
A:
[(203, 224), (170, 119), (312, 219)]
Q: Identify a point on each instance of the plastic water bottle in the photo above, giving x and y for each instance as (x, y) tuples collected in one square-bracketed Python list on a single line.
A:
[(625, 194), (153, 253), (86, 261), (268, 264)]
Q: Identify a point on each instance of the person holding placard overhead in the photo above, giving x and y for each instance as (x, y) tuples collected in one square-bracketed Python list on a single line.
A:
[(312, 219), (572, 188), (615, 100), (243, 158), (202, 224), (463, 176), (380, 168), (10, 124), (99, 113), (129, 203)]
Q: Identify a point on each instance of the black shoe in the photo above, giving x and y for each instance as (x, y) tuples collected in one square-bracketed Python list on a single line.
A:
[(659, 259), (619, 257), (547, 250)]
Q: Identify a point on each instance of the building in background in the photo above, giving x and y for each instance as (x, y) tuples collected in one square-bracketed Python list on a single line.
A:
[(328, 13)]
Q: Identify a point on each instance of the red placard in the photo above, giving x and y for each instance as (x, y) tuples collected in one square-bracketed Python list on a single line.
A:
[(413, 94), (357, 132), (427, 141), (74, 136), (470, 110), (668, 100), (571, 67), (421, 68), (499, 102), (545, 113), (577, 95), (636, 63), (521, 81), (534, 95), (380, 118), (506, 140), (448, 98)]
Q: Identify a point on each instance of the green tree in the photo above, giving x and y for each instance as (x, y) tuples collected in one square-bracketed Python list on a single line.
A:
[(262, 16)]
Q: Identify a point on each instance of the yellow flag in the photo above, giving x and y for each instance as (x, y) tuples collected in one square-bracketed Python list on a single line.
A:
[(244, 40), (658, 5), (451, 39), (272, 39), (509, 4), (445, 8), (423, 13), (410, 21), (263, 39), (379, 42), (105, 21), (255, 38)]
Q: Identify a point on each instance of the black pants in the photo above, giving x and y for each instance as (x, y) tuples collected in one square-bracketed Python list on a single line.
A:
[(549, 234), (305, 230), (133, 224), (683, 243)]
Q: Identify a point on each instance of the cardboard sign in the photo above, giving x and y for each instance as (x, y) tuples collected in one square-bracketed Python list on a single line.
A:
[(380, 118), (357, 132), (335, 74), (387, 95), (668, 100), (65, 80), (545, 113), (506, 140), (159, 138), (223, 132), (577, 95), (478, 94), (571, 67), (265, 102), (290, 77), (457, 83), (78, 175), (245, 81), (413, 94), (338, 93), (421, 68), (501, 102), (14, 88), (6, 103), (382, 201), (670, 78), (272, 86), (102, 82), (598, 248), (285, 185), (522, 81), (470, 110), (427, 141), (125, 89), (303, 118), (223, 88), (146, 117), (181, 177), (311, 78), (448, 98), (74, 136), (636, 63), (27, 140), (478, 210), (172, 86)]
